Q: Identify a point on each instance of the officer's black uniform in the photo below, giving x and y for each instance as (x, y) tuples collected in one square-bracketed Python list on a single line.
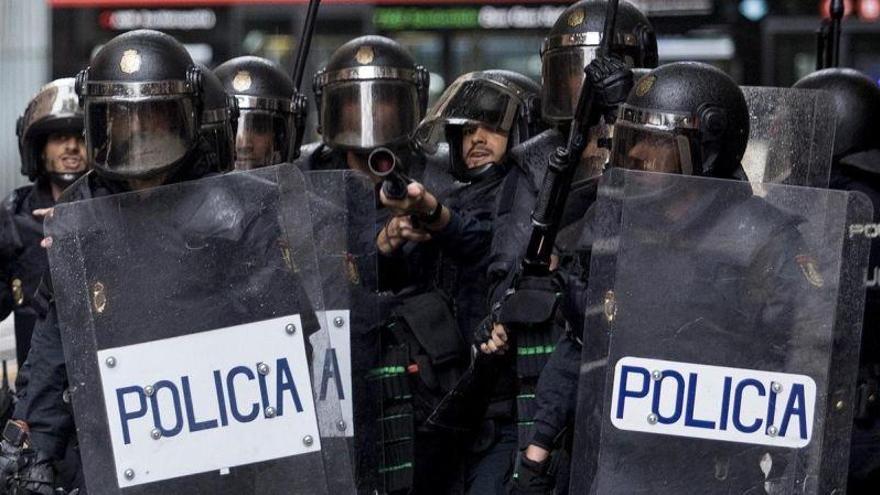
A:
[(455, 261), (442, 288), (28, 262), (856, 167)]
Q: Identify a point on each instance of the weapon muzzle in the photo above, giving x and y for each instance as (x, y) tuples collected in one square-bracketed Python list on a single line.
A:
[(382, 162)]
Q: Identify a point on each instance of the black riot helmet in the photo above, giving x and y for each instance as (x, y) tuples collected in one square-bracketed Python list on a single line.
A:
[(55, 108), (856, 103), (500, 100), (573, 42), (219, 123), (270, 116), (141, 97), (370, 93), (685, 117)]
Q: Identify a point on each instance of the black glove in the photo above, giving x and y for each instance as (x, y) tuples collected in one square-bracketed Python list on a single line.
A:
[(483, 332), (531, 478), (24, 471), (36, 474), (611, 80), (9, 460)]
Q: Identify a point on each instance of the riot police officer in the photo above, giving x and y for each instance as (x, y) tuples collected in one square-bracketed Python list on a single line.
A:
[(53, 156), (856, 167), (138, 134), (569, 46), (715, 144), (271, 119), (371, 94), (481, 116)]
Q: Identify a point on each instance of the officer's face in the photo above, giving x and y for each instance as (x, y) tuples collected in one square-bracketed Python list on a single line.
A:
[(65, 152), (253, 148), (594, 157), (143, 132), (653, 153), (481, 145)]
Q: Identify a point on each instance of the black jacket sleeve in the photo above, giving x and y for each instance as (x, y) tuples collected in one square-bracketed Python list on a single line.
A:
[(10, 246), (42, 407), (556, 395), (468, 235)]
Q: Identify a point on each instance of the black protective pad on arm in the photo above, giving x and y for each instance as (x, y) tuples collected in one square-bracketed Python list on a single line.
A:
[(429, 317), (532, 303)]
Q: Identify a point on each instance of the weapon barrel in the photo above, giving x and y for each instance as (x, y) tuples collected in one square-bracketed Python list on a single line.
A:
[(302, 51), (383, 163), (299, 67), (837, 10), (557, 180), (822, 46), (608, 28)]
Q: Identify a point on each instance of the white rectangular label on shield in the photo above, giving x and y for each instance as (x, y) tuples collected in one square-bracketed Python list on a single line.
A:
[(713, 402), (209, 401), (332, 370)]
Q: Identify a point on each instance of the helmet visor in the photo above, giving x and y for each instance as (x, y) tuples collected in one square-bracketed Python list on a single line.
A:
[(261, 139), (139, 138), (221, 141), (368, 114), (562, 75), (471, 102), (652, 150)]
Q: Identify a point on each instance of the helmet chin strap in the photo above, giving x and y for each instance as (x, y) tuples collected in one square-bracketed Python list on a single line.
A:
[(476, 173), (64, 179)]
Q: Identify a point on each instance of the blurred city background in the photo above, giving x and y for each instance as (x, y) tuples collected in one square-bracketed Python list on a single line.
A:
[(759, 42)]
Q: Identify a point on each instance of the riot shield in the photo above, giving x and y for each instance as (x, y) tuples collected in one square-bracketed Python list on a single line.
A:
[(343, 205), (721, 337), (189, 315), (791, 136)]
